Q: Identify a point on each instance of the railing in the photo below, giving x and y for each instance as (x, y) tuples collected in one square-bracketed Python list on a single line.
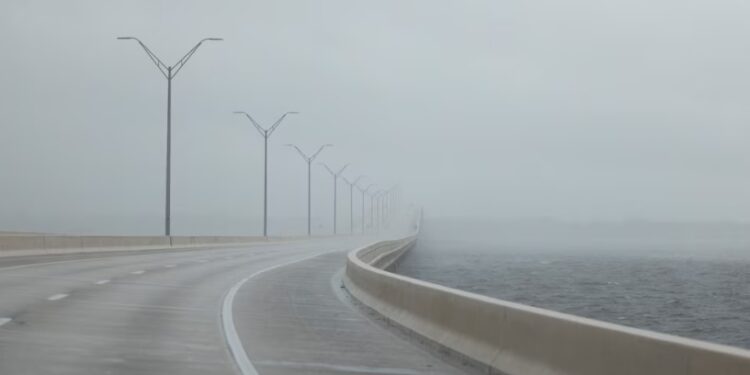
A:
[(515, 339)]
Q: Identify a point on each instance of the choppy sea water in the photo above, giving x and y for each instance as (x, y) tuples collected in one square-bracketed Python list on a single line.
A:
[(699, 295)]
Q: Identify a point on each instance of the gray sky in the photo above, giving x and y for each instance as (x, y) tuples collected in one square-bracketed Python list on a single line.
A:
[(577, 110)]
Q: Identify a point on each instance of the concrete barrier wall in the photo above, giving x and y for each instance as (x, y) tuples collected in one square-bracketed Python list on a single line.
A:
[(28, 244), (515, 339), (11, 245), (66, 242)]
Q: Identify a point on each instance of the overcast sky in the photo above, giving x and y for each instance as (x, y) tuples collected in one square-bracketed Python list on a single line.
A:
[(575, 110)]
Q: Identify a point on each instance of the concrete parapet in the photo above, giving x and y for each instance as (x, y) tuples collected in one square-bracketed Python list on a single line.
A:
[(20, 245), (515, 339)]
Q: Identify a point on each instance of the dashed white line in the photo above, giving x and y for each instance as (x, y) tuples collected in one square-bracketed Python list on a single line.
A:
[(169, 266), (4, 320), (138, 272), (57, 297), (101, 282)]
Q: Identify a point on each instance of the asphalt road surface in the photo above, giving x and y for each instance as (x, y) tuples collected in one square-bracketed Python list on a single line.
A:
[(130, 312), (165, 312)]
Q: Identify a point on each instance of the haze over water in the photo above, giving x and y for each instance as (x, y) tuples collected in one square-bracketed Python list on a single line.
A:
[(687, 279)]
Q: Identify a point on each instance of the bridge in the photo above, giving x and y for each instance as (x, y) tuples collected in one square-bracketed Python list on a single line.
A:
[(321, 305)]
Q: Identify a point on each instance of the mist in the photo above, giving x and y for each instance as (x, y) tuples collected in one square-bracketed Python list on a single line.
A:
[(578, 112)]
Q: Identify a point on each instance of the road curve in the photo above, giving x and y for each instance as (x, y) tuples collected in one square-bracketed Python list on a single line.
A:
[(127, 312)]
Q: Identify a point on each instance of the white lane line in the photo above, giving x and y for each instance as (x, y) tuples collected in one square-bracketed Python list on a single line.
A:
[(101, 282), (169, 266), (57, 297), (227, 320), (138, 272), (4, 320)]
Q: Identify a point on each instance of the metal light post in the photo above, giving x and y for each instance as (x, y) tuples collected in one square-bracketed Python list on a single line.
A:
[(364, 191), (378, 206), (265, 133), (379, 209), (386, 208), (395, 203), (309, 160), (169, 73), (351, 201), (335, 176), (384, 202), (372, 209)]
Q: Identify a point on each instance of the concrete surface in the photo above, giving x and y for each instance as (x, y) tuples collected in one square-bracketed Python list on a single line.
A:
[(29, 244), (292, 322), (516, 339), (25, 245)]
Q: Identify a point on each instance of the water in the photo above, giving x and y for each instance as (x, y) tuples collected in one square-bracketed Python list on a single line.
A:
[(662, 285)]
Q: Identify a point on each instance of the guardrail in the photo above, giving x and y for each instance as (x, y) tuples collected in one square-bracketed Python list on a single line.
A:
[(514, 339)]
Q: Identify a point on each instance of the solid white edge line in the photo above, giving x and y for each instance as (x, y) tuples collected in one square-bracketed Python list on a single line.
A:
[(56, 297), (4, 320), (227, 319)]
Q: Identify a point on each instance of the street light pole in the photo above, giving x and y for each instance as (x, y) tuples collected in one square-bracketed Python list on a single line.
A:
[(374, 210), (379, 199), (309, 160), (386, 208), (335, 176), (378, 210), (351, 201), (265, 133), (364, 191), (168, 194), (169, 73)]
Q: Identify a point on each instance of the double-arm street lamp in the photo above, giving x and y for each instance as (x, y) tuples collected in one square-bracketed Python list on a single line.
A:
[(169, 72), (309, 160), (377, 196), (265, 133), (351, 200), (384, 209), (370, 194), (373, 195), (364, 191), (335, 176), (391, 204)]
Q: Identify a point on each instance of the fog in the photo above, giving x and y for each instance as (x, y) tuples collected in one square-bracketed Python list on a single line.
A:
[(576, 111), (639, 238)]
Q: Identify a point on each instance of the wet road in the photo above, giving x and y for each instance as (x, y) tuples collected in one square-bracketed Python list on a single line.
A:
[(130, 312), (308, 324)]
